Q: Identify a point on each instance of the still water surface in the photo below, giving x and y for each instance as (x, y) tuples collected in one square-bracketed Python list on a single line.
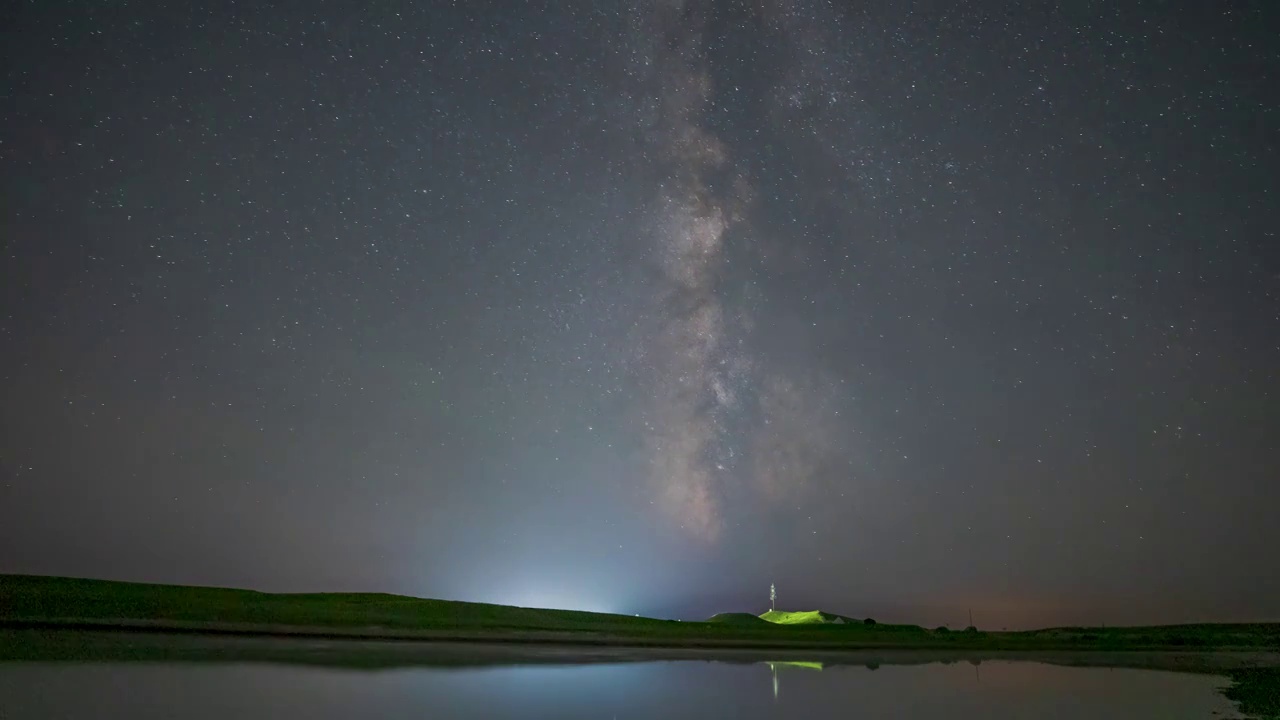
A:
[(993, 690)]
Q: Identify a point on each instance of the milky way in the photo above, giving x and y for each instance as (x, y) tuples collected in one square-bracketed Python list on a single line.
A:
[(686, 344), (720, 424)]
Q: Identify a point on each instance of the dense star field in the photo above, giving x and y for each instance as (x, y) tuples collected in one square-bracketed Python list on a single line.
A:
[(908, 308)]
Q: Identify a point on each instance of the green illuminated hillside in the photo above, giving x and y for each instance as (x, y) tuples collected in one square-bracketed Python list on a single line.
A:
[(806, 617)]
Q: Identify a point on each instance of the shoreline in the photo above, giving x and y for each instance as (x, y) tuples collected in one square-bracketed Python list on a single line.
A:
[(696, 647), (47, 642)]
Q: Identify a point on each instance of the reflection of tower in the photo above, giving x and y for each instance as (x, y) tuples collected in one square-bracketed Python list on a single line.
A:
[(774, 668)]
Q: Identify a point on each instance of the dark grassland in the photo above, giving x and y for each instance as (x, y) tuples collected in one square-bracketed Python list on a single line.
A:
[(34, 601)]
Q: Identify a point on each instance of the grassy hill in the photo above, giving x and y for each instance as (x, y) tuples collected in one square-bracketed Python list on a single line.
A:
[(737, 619), (37, 597), (27, 601), (817, 617), (807, 617)]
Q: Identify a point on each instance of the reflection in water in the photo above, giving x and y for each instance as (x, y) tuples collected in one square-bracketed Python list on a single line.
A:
[(669, 689), (798, 664), (773, 668)]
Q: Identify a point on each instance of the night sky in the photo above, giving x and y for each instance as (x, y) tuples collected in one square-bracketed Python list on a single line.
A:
[(908, 308)]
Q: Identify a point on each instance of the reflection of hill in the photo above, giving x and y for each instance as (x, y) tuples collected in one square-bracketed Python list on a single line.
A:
[(796, 664)]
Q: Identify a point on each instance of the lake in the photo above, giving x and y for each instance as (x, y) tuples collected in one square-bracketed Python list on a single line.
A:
[(45, 675)]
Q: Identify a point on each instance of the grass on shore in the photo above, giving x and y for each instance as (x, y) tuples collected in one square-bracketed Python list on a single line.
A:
[(1256, 691), (26, 599)]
